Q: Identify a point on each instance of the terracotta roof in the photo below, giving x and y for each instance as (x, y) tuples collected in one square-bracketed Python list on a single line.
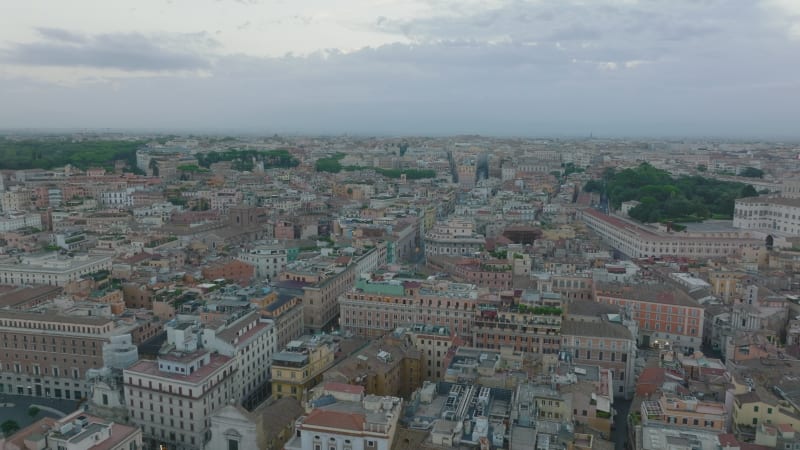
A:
[(345, 388), (335, 419)]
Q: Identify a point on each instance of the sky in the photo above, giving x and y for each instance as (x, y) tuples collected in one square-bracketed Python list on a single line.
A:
[(614, 68)]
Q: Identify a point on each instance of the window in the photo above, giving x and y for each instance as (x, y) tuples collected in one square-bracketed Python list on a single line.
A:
[(755, 408), (233, 444)]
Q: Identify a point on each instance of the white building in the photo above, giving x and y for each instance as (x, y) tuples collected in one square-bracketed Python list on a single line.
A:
[(452, 238), (51, 268), (269, 259), (368, 424), (121, 198), (637, 241), (171, 398), (15, 221), (246, 338), (778, 215)]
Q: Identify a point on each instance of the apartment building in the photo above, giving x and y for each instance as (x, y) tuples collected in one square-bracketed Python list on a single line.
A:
[(638, 241), (526, 329), (286, 311), (48, 355), (779, 215), (453, 238), (171, 398), (686, 412), (434, 342), (300, 366), (324, 278), (245, 337), (268, 258), (369, 423), (12, 221), (376, 307), (604, 342), (385, 367), (51, 268), (236, 271), (489, 273), (666, 317)]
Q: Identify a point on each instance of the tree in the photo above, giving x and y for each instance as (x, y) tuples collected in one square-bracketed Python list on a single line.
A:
[(9, 427), (751, 172), (154, 167), (749, 191), (702, 168), (33, 411)]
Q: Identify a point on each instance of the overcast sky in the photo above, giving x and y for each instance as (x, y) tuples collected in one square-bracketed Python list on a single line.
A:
[(727, 68)]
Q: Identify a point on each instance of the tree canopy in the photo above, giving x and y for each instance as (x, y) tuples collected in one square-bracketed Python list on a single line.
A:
[(751, 172), (51, 153), (664, 198)]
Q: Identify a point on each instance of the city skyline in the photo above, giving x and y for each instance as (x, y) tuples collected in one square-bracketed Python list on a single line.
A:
[(612, 68)]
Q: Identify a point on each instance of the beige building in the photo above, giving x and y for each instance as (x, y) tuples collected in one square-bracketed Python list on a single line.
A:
[(48, 355), (638, 241), (300, 366), (374, 308), (172, 398)]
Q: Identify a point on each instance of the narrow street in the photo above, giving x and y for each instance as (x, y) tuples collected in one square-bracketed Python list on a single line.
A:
[(620, 433)]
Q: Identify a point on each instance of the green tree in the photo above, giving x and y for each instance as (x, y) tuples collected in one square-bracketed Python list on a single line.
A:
[(748, 191), (9, 427), (33, 411), (751, 172)]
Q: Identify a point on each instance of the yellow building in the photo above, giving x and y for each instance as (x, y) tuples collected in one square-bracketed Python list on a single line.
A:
[(751, 409), (300, 366)]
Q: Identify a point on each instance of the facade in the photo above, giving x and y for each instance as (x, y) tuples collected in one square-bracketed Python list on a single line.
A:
[(386, 367), (300, 366), (493, 274), (52, 269), (637, 241), (171, 398), (455, 237), (286, 311), (49, 355), (367, 424), (666, 317), (245, 337), (434, 343), (15, 221), (268, 259), (373, 308), (604, 343), (237, 271), (686, 412), (526, 329), (779, 215), (324, 279), (267, 427)]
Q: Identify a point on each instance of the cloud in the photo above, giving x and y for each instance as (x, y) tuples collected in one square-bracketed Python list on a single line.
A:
[(121, 51), (613, 68)]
